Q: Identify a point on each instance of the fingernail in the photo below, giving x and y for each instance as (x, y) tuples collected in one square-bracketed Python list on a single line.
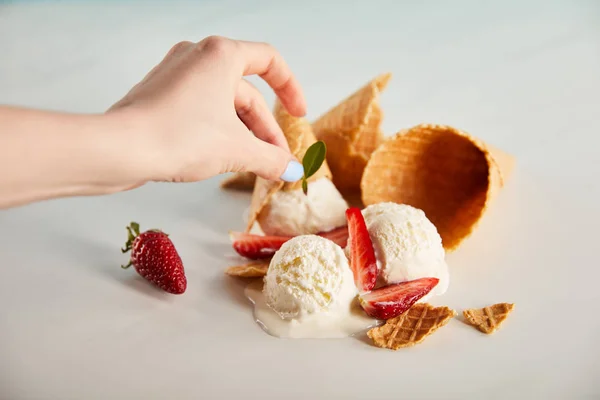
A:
[(293, 172)]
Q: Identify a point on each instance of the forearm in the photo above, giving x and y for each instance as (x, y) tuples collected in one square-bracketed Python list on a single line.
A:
[(46, 155)]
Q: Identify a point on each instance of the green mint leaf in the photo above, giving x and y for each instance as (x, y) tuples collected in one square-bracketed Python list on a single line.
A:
[(314, 158), (305, 186)]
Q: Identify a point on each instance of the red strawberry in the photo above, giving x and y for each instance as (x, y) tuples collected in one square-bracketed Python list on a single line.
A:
[(362, 256), (339, 236), (259, 246), (154, 257), (392, 300), (256, 246)]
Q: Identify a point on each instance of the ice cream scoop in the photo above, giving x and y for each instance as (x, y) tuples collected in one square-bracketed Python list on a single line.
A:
[(282, 208), (407, 245), (292, 213), (309, 274)]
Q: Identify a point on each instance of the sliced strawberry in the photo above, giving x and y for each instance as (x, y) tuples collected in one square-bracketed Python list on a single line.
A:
[(362, 256), (339, 236), (256, 246), (392, 300), (259, 246)]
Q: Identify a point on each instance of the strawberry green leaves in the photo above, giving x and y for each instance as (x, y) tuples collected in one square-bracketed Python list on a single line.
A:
[(312, 161)]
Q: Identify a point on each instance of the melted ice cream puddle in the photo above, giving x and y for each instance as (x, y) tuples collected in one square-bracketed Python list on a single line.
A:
[(337, 323), (308, 292)]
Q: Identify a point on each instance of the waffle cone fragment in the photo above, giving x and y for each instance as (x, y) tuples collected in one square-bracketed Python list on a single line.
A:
[(351, 131), (254, 269), (300, 137), (243, 181), (412, 327), (488, 319), (445, 172)]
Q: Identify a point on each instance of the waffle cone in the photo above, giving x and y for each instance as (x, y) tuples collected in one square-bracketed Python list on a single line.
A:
[(412, 327), (488, 319), (351, 131), (300, 137), (253, 269), (450, 175)]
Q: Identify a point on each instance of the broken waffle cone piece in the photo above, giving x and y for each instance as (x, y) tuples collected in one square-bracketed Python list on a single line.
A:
[(300, 137), (412, 327), (488, 319), (254, 269), (351, 131), (243, 181), (447, 173)]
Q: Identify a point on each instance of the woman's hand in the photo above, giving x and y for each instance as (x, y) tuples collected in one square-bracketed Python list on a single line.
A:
[(200, 118), (191, 118)]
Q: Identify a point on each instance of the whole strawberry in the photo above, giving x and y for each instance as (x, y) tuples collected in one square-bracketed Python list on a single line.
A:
[(155, 258)]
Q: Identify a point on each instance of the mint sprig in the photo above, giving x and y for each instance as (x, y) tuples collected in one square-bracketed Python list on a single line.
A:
[(312, 161)]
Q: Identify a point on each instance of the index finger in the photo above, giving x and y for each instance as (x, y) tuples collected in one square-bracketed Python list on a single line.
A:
[(264, 60)]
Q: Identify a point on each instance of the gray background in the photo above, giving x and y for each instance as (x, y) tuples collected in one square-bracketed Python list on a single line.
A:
[(523, 76)]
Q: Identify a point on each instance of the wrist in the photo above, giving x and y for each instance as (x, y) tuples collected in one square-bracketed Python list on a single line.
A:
[(118, 153), (57, 155), (131, 134)]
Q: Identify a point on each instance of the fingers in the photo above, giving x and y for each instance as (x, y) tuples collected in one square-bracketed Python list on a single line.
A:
[(267, 161), (261, 59), (254, 112), (271, 162)]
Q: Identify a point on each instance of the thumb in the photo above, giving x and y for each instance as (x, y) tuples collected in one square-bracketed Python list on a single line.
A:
[(271, 162)]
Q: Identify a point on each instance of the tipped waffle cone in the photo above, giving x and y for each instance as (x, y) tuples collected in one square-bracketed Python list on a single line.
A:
[(253, 269), (445, 172), (412, 327), (488, 319), (351, 131), (243, 181), (300, 137)]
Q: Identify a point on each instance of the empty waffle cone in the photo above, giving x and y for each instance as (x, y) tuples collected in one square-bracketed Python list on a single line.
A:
[(300, 137), (445, 172), (351, 131)]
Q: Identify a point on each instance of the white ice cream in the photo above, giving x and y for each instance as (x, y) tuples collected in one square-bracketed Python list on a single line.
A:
[(309, 292), (308, 274), (292, 213), (407, 245)]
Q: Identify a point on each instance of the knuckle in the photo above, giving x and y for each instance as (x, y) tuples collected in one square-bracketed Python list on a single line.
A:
[(268, 46), (247, 108), (179, 47), (270, 137), (275, 57), (217, 45)]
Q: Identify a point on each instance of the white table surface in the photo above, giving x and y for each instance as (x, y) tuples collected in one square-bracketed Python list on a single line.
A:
[(524, 76)]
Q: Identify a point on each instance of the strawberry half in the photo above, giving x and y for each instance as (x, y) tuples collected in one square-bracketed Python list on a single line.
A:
[(259, 246), (155, 258), (362, 256), (393, 300), (255, 247), (338, 236)]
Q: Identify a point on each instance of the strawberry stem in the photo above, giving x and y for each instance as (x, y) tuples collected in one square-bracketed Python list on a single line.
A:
[(133, 230)]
